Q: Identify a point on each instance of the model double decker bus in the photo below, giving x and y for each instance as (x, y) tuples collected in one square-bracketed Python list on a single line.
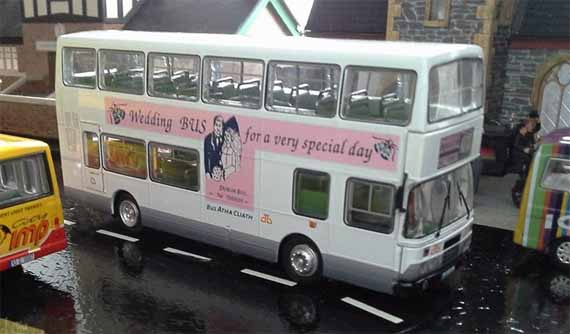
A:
[(345, 159)]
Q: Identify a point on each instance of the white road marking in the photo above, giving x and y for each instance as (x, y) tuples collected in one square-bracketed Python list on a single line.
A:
[(68, 222), (268, 277), (180, 252), (370, 309), (117, 235)]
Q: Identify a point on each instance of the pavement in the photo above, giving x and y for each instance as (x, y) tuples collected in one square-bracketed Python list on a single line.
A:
[(493, 204)]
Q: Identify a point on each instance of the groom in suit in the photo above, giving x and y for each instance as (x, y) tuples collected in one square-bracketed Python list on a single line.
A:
[(213, 146)]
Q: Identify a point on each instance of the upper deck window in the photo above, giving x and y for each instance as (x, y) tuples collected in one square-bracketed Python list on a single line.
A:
[(378, 95), (174, 76), (234, 82), (455, 88), (79, 67), (306, 89), (121, 71)]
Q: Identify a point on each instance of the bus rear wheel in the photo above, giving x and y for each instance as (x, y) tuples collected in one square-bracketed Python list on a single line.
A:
[(301, 260), (560, 253), (128, 213)]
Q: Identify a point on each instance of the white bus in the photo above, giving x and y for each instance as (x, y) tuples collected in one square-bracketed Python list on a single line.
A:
[(338, 158)]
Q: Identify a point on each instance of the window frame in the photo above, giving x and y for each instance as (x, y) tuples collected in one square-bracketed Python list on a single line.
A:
[(204, 82), (100, 71), (341, 104), (348, 204), (296, 173), (434, 23), (104, 160), (148, 75), (149, 162), (483, 90), (49, 176), (9, 58), (85, 152), (546, 170), (293, 62), (95, 86)]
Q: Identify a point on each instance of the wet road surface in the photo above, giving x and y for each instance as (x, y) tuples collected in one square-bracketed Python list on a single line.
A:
[(102, 284)]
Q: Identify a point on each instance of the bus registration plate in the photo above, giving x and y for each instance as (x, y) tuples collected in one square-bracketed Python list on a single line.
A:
[(21, 260)]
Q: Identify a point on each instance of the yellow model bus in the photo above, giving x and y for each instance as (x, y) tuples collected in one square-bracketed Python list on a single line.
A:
[(31, 217)]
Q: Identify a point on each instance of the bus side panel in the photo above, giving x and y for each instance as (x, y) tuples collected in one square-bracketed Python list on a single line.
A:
[(362, 257), (138, 188), (277, 217), (31, 230)]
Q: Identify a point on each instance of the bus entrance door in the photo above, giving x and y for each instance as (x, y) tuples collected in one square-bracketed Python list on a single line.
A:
[(92, 176)]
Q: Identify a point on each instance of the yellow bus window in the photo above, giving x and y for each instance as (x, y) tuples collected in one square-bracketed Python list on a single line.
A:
[(23, 179)]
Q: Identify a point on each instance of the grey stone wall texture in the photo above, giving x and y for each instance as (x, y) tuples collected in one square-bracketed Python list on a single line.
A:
[(463, 22), (496, 84), (521, 69)]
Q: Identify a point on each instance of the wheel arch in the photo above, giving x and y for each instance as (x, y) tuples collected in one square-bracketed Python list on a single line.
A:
[(116, 195)]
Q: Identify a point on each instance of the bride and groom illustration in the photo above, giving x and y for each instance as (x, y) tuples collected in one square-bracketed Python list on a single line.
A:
[(222, 149)]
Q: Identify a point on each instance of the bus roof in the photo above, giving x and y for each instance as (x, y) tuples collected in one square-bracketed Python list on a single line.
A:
[(11, 146), (272, 47)]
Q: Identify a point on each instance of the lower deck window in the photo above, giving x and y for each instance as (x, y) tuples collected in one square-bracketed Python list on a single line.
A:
[(174, 166), (124, 156), (369, 206), (311, 194), (91, 150)]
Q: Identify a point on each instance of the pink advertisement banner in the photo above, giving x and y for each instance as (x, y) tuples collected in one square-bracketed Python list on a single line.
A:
[(230, 143)]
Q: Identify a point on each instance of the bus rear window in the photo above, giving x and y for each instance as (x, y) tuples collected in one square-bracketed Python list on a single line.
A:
[(23, 179), (79, 67), (378, 95), (455, 88), (121, 71)]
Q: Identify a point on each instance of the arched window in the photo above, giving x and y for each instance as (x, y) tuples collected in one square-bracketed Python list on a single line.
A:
[(555, 98)]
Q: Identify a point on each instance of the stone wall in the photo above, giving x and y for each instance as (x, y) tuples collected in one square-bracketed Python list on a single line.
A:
[(32, 120), (521, 71), (463, 22), (497, 76)]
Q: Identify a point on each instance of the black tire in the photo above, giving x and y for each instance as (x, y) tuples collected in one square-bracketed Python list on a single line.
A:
[(127, 213), (560, 254), (305, 254)]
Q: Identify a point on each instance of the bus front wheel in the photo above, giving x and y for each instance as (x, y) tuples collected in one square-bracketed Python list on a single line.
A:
[(560, 252), (128, 212), (301, 260)]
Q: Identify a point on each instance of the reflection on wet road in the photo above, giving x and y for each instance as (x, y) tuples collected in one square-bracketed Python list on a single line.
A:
[(159, 283)]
